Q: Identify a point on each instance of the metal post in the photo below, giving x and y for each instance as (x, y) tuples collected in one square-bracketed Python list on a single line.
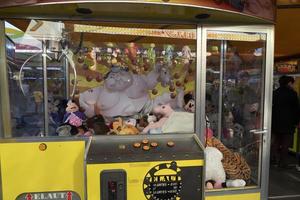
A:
[(45, 85), (198, 84), (5, 117), (67, 77), (221, 77), (267, 111), (201, 83)]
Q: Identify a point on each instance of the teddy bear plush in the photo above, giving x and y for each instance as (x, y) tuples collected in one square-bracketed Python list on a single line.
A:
[(119, 127)]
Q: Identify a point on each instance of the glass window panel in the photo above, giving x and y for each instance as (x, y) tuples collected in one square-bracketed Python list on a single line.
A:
[(26, 95), (57, 93), (116, 73), (234, 103)]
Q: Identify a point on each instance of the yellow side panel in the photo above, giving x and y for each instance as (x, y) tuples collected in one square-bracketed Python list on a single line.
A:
[(135, 176), (25, 168), (249, 196)]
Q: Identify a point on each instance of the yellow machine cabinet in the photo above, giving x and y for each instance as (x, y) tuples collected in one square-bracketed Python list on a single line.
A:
[(42, 169), (150, 167)]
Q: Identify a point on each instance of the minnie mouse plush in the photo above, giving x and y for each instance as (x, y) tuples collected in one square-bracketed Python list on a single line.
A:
[(73, 117)]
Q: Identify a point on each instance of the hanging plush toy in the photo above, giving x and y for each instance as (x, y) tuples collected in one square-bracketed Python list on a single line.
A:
[(151, 53), (131, 51), (186, 55), (168, 54)]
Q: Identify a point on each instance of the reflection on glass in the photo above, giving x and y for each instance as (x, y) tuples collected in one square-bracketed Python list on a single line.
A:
[(128, 78), (26, 103), (56, 92), (26, 79), (235, 71)]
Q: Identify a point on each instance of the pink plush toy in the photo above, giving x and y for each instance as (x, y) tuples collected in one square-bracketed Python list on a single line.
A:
[(163, 110)]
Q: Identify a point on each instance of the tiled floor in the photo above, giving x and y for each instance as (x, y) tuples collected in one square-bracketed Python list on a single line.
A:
[(284, 184)]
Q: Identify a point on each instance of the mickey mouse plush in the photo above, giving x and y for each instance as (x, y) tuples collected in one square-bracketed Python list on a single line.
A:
[(189, 103)]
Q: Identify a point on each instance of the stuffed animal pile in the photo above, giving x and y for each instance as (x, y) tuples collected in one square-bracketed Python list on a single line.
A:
[(224, 168), (219, 161)]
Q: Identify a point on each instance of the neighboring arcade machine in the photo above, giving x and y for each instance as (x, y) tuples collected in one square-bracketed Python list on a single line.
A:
[(144, 69), (292, 68)]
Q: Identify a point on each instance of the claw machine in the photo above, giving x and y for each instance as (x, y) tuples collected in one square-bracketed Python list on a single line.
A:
[(117, 100)]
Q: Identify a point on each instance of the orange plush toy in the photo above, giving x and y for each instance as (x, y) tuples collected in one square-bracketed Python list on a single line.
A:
[(120, 128)]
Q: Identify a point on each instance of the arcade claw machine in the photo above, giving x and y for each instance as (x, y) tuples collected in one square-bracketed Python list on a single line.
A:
[(154, 100)]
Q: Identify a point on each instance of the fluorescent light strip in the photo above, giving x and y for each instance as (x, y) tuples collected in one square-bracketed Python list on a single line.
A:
[(166, 33)]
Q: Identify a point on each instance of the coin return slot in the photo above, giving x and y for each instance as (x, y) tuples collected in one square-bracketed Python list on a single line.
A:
[(113, 185)]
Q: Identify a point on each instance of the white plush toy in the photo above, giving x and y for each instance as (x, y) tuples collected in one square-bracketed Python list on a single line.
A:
[(214, 170), (151, 118)]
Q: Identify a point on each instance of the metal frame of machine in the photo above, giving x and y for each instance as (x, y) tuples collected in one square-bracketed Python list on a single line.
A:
[(252, 193)]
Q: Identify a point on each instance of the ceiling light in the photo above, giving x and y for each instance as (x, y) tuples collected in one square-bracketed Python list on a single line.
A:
[(202, 16), (85, 11)]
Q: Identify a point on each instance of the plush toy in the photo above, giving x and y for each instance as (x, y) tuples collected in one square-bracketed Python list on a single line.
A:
[(189, 103), (214, 170), (171, 121), (234, 164), (215, 176), (151, 53), (168, 54), (125, 94), (54, 117), (186, 54), (151, 118), (64, 130), (164, 77), (97, 123), (84, 132), (131, 51), (120, 128), (130, 121), (165, 111), (73, 117), (142, 122), (213, 121)]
